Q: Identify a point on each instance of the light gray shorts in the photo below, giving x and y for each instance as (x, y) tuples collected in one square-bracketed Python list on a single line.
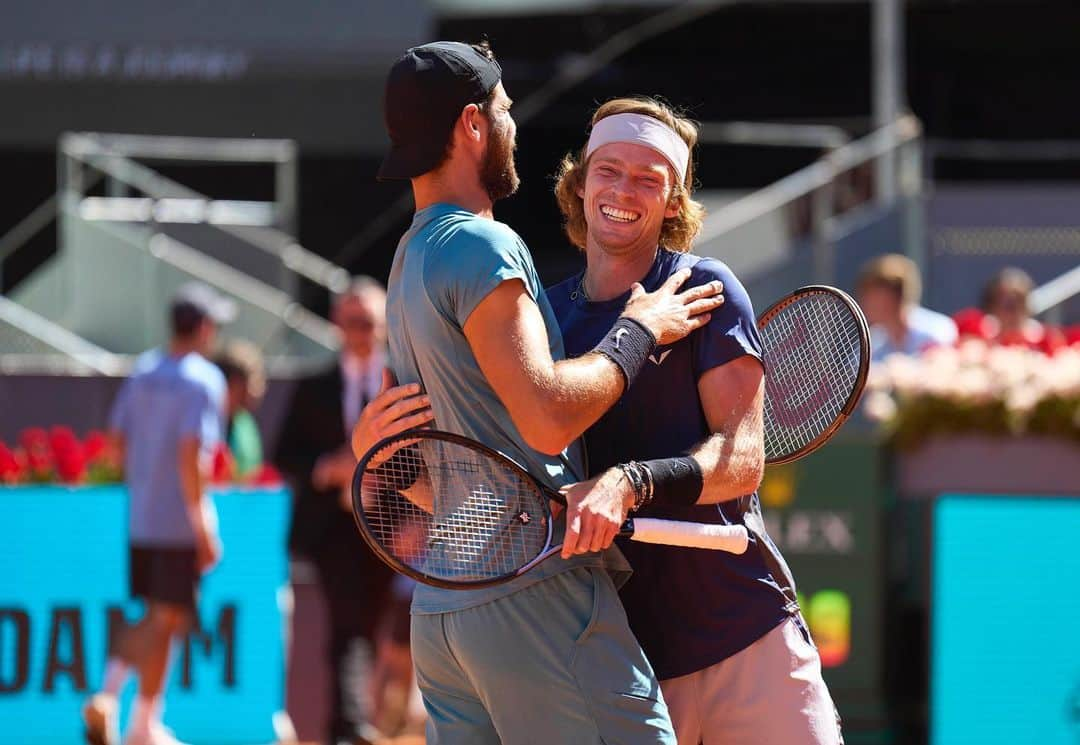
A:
[(770, 693), (555, 662)]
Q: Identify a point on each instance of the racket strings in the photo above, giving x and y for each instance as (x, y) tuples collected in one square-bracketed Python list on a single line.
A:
[(811, 350), (812, 337), (451, 512)]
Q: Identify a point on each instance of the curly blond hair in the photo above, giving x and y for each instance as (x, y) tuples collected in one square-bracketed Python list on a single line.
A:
[(677, 233)]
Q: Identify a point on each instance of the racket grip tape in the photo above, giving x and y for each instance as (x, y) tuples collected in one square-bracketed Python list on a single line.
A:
[(731, 538)]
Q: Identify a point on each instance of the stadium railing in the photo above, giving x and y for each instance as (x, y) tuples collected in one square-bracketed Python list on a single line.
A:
[(31, 342), (129, 236), (818, 223)]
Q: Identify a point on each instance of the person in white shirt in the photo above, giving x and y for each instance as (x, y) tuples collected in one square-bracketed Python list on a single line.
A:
[(889, 289)]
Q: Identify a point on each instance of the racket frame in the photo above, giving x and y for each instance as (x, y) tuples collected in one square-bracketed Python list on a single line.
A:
[(629, 529), (368, 534), (864, 363)]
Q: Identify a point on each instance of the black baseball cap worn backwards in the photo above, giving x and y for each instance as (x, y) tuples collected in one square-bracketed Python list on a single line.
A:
[(425, 92)]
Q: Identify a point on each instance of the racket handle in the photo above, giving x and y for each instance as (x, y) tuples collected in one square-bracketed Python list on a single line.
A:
[(731, 538)]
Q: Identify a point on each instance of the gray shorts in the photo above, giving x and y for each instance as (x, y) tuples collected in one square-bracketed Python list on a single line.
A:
[(552, 663), (771, 692)]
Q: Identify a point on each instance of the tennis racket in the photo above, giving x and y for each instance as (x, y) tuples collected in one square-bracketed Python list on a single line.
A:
[(451, 512), (817, 352)]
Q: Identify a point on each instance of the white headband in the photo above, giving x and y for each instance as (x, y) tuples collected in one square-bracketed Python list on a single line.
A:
[(641, 130)]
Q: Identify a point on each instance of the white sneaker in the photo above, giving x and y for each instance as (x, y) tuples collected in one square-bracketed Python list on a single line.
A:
[(100, 718), (156, 734)]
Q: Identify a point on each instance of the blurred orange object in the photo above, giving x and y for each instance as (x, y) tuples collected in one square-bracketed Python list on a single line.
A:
[(1072, 335), (972, 322), (223, 466), (265, 475)]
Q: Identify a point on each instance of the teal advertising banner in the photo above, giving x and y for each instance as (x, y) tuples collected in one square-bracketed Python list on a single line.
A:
[(64, 587), (1005, 650)]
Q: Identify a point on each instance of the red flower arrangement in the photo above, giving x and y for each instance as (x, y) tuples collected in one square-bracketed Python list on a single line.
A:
[(223, 470), (58, 456)]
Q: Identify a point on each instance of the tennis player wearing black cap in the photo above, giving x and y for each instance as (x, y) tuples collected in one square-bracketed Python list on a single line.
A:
[(549, 657)]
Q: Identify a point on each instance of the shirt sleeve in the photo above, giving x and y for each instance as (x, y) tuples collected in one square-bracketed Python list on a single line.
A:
[(480, 258), (732, 331), (202, 415)]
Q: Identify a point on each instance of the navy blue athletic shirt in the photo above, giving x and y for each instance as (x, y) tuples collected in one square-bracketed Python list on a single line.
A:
[(689, 608)]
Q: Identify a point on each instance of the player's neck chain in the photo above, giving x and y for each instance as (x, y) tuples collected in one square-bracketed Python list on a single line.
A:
[(579, 291)]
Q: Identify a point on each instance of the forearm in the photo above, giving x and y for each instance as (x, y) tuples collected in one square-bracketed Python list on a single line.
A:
[(572, 397), (551, 403), (732, 464), (192, 486), (586, 387)]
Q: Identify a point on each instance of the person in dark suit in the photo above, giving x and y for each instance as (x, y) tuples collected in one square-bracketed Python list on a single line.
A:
[(314, 454)]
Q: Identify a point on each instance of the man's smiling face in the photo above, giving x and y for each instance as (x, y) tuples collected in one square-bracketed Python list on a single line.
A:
[(627, 196)]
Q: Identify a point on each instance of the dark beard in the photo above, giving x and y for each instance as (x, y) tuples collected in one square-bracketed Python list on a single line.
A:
[(498, 174)]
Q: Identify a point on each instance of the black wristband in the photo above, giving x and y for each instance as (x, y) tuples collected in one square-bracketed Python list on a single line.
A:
[(628, 345), (676, 481)]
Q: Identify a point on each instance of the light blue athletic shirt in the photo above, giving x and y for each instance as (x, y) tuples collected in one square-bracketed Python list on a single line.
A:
[(166, 399), (447, 262)]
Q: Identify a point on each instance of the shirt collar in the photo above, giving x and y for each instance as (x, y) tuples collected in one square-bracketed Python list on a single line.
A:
[(650, 282)]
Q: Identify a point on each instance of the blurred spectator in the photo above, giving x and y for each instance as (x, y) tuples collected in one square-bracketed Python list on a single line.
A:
[(242, 365), (1072, 335), (167, 418), (314, 453), (1008, 315), (889, 289), (973, 323), (397, 706)]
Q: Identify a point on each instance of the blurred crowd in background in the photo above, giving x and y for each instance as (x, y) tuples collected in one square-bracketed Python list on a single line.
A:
[(890, 291)]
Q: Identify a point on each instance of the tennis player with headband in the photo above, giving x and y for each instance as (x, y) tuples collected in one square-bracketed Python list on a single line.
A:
[(724, 633), (548, 657)]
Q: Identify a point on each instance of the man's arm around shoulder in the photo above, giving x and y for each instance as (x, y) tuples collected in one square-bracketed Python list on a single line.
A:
[(553, 402)]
